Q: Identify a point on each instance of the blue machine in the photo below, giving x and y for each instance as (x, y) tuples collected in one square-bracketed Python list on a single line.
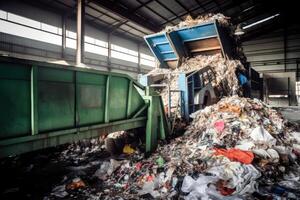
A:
[(196, 90), (171, 47)]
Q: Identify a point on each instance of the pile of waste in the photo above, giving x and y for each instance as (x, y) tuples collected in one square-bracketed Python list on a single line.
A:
[(224, 70), (236, 149), (189, 21)]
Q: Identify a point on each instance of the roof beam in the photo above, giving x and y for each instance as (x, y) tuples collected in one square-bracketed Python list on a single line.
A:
[(167, 8), (173, 18), (94, 24), (142, 5), (259, 10), (126, 13), (164, 18), (113, 19), (217, 3), (200, 4), (222, 8), (183, 6)]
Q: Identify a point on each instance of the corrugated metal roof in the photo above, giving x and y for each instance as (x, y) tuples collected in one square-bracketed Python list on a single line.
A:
[(140, 17)]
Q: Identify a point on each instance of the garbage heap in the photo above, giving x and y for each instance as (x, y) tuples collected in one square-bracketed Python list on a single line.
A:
[(226, 81), (236, 149)]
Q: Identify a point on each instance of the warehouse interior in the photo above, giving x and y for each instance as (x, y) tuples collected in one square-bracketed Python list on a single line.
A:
[(149, 99)]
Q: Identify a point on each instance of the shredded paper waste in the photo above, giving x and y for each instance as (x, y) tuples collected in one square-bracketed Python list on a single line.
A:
[(189, 21)]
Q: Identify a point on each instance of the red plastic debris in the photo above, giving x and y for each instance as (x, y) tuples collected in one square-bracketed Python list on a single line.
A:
[(219, 126), (221, 186), (236, 155), (138, 166), (149, 178)]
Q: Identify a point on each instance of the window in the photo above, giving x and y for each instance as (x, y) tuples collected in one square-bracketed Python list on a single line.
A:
[(124, 53), (124, 50), (3, 14), (91, 45), (27, 28), (124, 56), (23, 27), (24, 20), (147, 60), (95, 49), (96, 46)]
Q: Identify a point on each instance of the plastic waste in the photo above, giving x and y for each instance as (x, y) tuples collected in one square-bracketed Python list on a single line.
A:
[(236, 155), (75, 184), (160, 161), (219, 126), (245, 145), (60, 191), (102, 171), (197, 188), (128, 149), (259, 134)]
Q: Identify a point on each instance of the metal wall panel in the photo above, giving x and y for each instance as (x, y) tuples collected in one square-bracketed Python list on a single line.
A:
[(91, 97), (274, 52), (118, 91), (14, 101), (13, 45), (56, 99)]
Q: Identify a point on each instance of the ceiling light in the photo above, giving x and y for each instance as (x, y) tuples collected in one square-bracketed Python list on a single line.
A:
[(261, 21), (239, 30)]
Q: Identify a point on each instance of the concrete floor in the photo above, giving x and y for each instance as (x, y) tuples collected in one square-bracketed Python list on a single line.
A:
[(291, 113)]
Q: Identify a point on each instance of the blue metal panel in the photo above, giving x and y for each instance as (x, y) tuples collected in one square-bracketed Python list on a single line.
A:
[(183, 87), (171, 45), (168, 56), (178, 44), (188, 83), (161, 47), (157, 38), (197, 32), (164, 47)]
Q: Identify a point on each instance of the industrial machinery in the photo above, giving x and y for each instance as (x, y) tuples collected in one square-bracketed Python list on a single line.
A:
[(171, 47), (197, 90), (44, 105), (207, 38)]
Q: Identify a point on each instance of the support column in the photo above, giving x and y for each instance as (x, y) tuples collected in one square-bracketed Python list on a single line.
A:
[(297, 71), (80, 31), (34, 100), (64, 35), (139, 58), (285, 42), (289, 93), (109, 51)]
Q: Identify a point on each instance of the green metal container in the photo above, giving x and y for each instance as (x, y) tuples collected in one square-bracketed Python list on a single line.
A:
[(44, 105)]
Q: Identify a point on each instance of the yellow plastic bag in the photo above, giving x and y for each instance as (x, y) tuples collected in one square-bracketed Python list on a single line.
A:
[(128, 149)]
